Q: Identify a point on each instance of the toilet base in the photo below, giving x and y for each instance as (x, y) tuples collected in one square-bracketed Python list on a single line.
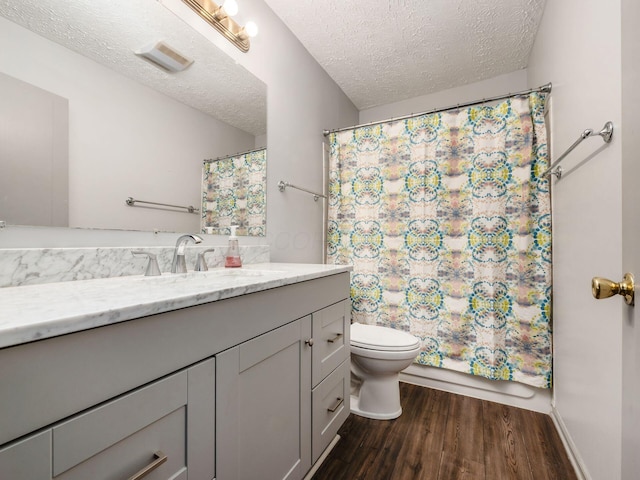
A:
[(378, 355), (355, 409)]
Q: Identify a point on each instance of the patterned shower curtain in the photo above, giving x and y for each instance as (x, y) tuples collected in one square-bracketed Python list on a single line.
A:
[(448, 228), (234, 193)]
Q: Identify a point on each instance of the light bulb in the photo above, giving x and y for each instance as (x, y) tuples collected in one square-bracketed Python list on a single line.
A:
[(230, 7), (251, 28)]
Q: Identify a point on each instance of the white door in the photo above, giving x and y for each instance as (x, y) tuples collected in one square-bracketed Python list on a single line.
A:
[(631, 315), (39, 161), (630, 132)]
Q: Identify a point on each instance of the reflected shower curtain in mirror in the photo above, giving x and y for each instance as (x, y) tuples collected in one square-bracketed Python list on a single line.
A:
[(234, 193), (449, 232)]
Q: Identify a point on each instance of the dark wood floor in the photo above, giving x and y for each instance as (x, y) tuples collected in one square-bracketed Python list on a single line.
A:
[(443, 436)]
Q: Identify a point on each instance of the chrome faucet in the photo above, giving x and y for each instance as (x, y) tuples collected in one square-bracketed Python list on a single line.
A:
[(179, 265)]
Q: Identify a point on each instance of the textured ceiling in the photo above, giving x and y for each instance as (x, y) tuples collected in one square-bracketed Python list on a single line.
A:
[(383, 51), (109, 31), (378, 51)]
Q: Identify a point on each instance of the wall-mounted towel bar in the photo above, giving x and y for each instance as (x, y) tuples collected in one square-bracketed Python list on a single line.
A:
[(190, 209), (282, 185), (606, 133)]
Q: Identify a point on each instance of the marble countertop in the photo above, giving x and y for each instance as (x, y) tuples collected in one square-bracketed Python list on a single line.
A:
[(35, 312)]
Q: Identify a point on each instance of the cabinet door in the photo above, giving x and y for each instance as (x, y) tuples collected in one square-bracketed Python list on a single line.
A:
[(201, 420), (331, 337), (263, 406)]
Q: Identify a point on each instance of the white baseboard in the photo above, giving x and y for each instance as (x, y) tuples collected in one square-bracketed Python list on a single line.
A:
[(508, 393), (572, 452)]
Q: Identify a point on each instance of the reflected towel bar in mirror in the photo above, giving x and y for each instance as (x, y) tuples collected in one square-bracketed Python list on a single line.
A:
[(190, 209)]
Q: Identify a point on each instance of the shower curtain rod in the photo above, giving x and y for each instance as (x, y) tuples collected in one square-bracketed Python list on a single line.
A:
[(211, 160), (544, 89)]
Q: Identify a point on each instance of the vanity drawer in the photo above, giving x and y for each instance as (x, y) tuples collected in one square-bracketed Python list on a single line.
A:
[(330, 333), (27, 459), (330, 405), (119, 438)]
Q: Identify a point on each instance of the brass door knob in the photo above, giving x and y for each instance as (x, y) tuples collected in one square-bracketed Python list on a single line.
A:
[(605, 288)]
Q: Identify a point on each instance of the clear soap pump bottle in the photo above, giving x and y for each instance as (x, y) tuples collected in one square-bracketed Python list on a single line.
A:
[(232, 259)]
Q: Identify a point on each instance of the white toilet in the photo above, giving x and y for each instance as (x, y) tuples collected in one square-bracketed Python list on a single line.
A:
[(378, 354)]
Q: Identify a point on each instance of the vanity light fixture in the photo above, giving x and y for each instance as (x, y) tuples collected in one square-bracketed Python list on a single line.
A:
[(230, 7), (249, 30), (219, 17), (162, 55)]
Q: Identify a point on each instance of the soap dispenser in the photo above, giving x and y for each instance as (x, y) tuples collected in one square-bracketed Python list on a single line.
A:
[(232, 259)]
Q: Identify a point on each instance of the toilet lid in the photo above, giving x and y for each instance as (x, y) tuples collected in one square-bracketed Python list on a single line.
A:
[(381, 338)]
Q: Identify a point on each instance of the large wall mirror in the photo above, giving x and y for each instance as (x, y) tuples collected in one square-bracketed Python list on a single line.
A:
[(134, 130)]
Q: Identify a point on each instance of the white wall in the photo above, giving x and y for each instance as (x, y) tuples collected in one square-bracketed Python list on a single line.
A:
[(578, 48), (302, 101), (125, 139)]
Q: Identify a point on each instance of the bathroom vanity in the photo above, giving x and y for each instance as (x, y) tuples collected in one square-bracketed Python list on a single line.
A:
[(227, 374)]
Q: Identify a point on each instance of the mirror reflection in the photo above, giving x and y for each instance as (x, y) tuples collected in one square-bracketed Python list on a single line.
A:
[(234, 194), (134, 130)]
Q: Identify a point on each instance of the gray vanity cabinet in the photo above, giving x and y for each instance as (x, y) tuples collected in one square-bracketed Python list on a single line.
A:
[(253, 386), (263, 406)]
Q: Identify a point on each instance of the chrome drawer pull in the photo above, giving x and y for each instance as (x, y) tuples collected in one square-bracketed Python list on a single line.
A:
[(335, 407), (337, 337), (159, 459)]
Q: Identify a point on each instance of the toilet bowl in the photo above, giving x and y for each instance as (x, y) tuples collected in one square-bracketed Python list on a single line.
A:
[(378, 354)]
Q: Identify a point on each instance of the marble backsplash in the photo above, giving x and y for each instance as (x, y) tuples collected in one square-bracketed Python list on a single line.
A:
[(30, 266)]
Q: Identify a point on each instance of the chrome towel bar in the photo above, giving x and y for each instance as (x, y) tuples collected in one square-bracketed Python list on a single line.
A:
[(282, 185), (606, 133)]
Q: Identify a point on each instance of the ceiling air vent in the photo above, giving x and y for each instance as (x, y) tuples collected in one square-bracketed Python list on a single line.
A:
[(162, 55)]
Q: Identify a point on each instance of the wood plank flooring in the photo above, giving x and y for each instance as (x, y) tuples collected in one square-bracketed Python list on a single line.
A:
[(443, 436)]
